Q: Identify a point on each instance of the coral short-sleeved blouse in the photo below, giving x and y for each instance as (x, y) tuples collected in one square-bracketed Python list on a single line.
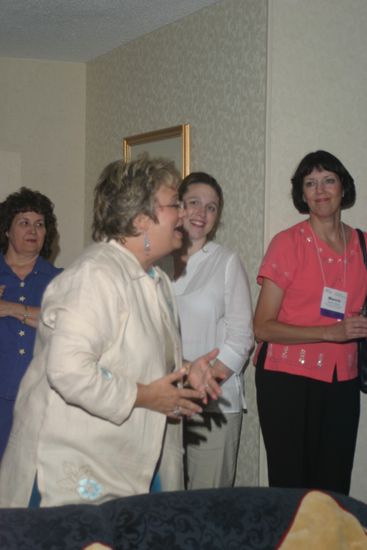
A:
[(292, 262)]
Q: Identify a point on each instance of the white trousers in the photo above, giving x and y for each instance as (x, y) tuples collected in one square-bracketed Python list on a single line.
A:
[(211, 445), (171, 472)]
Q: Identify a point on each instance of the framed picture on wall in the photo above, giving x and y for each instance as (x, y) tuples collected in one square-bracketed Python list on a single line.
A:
[(172, 143)]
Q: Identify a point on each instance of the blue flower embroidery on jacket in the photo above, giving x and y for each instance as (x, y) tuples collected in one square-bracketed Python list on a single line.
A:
[(80, 478), (106, 374), (89, 489)]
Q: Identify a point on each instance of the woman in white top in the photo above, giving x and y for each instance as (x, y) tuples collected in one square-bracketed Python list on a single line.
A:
[(214, 304)]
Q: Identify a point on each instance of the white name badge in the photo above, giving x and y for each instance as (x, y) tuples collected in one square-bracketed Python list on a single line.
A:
[(333, 303)]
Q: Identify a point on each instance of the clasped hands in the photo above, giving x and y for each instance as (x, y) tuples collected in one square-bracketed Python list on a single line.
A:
[(3, 303), (352, 328), (170, 396)]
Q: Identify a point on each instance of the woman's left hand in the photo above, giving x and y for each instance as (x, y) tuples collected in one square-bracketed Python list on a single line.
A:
[(201, 376)]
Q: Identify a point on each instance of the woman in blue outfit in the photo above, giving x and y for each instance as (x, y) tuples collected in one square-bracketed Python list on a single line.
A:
[(27, 231)]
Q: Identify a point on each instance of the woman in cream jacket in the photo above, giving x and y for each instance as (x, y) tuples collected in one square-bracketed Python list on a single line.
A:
[(91, 415)]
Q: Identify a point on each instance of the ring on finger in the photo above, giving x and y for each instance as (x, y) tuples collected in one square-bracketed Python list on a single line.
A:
[(177, 411)]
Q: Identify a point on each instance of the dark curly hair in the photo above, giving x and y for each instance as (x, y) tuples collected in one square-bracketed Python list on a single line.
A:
[(26, 200), (322, 160), (207, 179)]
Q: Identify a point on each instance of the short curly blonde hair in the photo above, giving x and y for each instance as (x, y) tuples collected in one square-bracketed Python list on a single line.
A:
[(126, 189)]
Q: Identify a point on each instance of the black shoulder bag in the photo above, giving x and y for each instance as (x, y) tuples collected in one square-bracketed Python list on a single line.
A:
[(362, 342)]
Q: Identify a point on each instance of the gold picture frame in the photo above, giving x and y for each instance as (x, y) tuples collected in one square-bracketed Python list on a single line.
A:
[(172, 143)]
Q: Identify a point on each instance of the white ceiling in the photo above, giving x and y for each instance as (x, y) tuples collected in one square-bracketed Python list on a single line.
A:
[(80, 30)]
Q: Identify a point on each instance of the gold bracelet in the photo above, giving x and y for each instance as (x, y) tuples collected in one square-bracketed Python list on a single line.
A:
[(187, 368), (26, 315)]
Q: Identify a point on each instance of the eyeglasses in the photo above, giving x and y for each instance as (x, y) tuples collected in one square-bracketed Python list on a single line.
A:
[(179, 205)]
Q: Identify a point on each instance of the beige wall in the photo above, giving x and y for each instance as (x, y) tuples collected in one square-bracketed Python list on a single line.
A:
[(208, 70), (317, 82), (42, 140)]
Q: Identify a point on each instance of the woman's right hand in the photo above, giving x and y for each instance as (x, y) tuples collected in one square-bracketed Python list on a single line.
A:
[(4, 305), (164, 396)]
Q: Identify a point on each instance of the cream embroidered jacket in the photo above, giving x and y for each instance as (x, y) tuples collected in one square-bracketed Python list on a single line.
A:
[(75, 425)]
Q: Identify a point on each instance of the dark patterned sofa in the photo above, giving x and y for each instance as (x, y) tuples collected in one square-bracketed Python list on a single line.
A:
[(226, 519)]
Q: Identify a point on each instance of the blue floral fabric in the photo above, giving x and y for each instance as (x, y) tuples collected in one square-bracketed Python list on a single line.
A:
[(214, 519)]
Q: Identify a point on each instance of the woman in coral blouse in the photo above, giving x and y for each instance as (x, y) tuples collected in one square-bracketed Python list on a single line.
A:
[(313, 285)]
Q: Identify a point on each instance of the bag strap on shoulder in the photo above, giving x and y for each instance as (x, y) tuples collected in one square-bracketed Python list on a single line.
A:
[(362, 242)]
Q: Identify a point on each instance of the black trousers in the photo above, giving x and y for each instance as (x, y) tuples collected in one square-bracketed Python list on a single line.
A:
[(309, 429)]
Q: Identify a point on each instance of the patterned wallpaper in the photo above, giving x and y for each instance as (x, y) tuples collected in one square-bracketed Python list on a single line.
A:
[(209, 70)]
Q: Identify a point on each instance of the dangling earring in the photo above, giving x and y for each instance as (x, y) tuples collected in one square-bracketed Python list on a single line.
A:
[(146, 243)]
